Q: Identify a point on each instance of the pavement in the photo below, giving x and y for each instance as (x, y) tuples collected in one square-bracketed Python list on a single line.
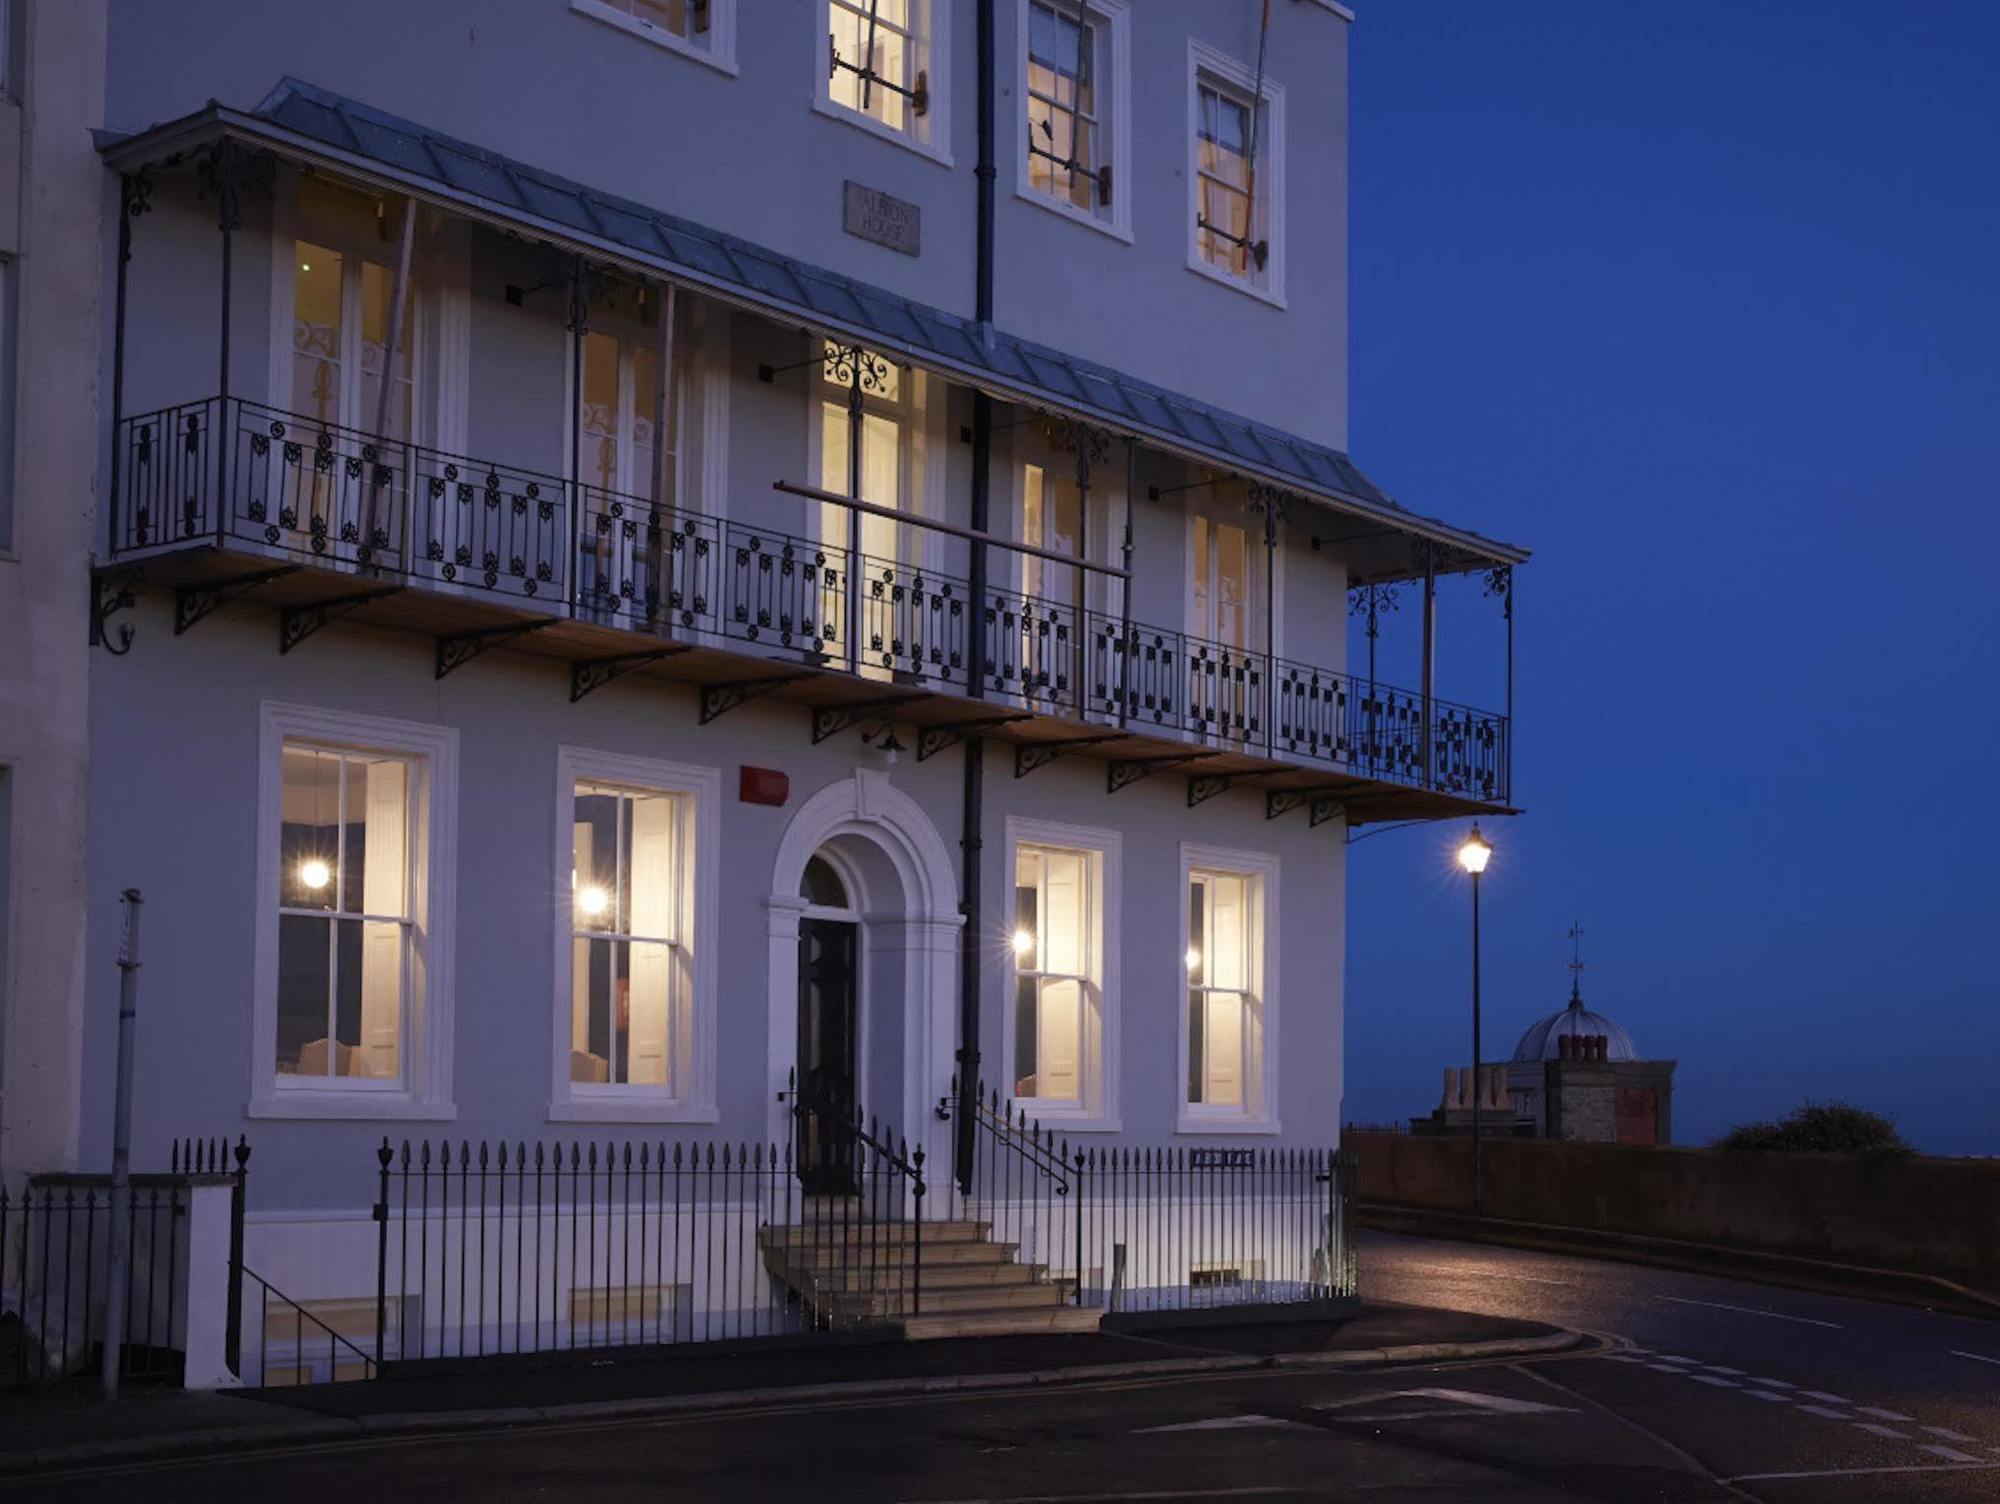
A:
[(1602, 1381)]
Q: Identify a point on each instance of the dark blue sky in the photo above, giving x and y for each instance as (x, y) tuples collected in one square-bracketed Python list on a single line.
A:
[(1702, 303)]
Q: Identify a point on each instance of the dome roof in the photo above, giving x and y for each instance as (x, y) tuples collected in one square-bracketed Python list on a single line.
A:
[(1543, 1040)]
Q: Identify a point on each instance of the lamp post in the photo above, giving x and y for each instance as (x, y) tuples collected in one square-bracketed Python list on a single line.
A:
[(1473, 857)]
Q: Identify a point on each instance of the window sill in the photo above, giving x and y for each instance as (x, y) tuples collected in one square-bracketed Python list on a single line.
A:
[(1194, 1123), (875, 128), (615, 1110), (665, 40), (356, 1106), (1235, 284), (1069, 1122), (1063, 209)]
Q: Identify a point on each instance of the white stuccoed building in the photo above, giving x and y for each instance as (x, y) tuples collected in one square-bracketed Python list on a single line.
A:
[(523, 738)]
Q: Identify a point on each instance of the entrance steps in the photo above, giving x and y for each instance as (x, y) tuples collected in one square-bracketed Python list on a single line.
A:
[(849, 1270)]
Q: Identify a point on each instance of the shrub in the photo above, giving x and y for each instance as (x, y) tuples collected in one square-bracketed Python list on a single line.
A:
[(1821, 1128)]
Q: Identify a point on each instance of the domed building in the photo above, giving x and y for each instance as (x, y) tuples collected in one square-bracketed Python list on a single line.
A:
[(1578, 1075)]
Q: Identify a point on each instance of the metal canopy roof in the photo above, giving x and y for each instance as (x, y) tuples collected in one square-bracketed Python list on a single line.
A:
[(303, 121)]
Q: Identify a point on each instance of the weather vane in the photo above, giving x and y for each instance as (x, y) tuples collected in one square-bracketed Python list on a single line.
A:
[(1576, 966)]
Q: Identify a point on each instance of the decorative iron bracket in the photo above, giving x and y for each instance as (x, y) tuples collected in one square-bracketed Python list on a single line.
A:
[(1203, 787), (1120, 775), (297, 623), (193, 603), (1029, 756), (1279, 802), (595, 673), (462, 647), (720, 699), (932, 740), (831, 720), (106, 601), (1325, 807)]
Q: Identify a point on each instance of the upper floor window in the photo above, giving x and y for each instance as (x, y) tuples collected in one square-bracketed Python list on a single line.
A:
[(1075, 62), (877, 69), (1236, 175), (343, 285), (702, 29), (353, 971)]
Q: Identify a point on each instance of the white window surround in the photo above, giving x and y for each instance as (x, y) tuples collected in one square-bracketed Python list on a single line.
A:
[(425, 1094), (1207, 64), (934, 142), (1114, 16), (701, 835), (719, 53), (1259, 1113), (1099, 1110)]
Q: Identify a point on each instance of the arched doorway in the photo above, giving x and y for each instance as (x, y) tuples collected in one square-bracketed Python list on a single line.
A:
[(864, 929)]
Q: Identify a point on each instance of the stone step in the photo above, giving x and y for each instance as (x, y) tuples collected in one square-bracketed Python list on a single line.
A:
[(889, 1256), (1001, 1323), (960, 1276), (936, 1302), (866, 1234)]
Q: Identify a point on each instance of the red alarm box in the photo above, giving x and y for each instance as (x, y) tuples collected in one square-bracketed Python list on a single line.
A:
[(762, 786)]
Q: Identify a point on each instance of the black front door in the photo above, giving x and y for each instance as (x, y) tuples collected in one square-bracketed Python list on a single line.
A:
[(826, 1054)]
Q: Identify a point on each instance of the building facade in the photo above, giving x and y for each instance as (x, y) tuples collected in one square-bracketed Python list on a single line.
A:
[(685, 557)]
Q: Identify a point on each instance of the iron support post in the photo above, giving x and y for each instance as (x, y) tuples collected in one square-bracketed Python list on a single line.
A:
[(226, 194), (855, 355), (579, 323), (1478, 1188), (116, 1288), (1430, 661), (1125, 599)]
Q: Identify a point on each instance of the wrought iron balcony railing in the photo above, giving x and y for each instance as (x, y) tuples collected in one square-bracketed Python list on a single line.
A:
[(239, 474)]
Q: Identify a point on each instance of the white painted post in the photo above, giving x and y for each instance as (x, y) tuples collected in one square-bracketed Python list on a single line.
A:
[(206, 1306)]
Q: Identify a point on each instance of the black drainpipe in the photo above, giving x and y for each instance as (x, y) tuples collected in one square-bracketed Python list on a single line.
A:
[(971, 940)]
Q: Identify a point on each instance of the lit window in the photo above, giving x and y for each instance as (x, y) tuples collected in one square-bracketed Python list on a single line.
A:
[(1227, 963), (627, 974), (1073, 69), (343, 913), (1052, 913), (876, 70), (702, 29), (1236, 175), (864, 451)]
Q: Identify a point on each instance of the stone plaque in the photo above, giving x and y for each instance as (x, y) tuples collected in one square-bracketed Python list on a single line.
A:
[(874, 215)]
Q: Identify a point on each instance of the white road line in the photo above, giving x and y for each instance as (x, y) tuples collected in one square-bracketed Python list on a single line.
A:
[(1472, 1399), (1885, 1431), (1718, 1368), (1821, 1410), (1671, 1358), (1228, 1423), (1861, 1472), (1831, 1399), (1259, 1492), (1880, 1414), (1716, 1305), (1950, 1454), (1765, 1394), (1945, 1433), (1702, 1378), (1977, 1358), (1774, 1383)]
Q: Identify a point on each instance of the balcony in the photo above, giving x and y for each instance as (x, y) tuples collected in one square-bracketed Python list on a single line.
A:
[(226, 499)]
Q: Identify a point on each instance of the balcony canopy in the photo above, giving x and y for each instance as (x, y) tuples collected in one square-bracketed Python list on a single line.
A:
[(307, 124)]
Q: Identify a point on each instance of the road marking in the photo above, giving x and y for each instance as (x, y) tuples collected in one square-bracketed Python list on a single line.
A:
[(1885, 1431), (1945, 1433), (1765, 1394), (1975, 1357), (1865, 1472), (1670, 1358), (1950, 1454), (1229, 1423), (1775, 1383), (1880, 1414), (1718, 1368), (1254, 1492), (1702, 1378), (1716, 1305), (1497, 1404), (1665, 1368), (1831, 1399), (1822, 1410)]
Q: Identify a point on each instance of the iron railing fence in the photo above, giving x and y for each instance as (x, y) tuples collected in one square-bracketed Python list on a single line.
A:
[(236, 472), (494, 1249), (55, 1258), (1160, 1231)]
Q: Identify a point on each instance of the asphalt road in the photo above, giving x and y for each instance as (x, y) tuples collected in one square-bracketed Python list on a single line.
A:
[(1716, 1390)]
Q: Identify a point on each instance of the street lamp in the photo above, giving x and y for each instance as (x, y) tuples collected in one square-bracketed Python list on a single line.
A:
[(1473, 857)]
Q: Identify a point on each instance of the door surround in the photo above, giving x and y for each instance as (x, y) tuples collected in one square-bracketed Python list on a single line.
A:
[(867, 807)]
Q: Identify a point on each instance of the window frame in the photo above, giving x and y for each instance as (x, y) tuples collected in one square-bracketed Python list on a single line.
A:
[(425, 1090), (699, 923), (1258, 1113), (933, 141), (1215, 70), (719, 54), (1098, 1107), (1113, 59)]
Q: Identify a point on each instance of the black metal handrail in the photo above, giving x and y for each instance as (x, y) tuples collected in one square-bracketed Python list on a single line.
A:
[(340, 1350), (1023, 1178), (236, 471), (865, 1191)]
